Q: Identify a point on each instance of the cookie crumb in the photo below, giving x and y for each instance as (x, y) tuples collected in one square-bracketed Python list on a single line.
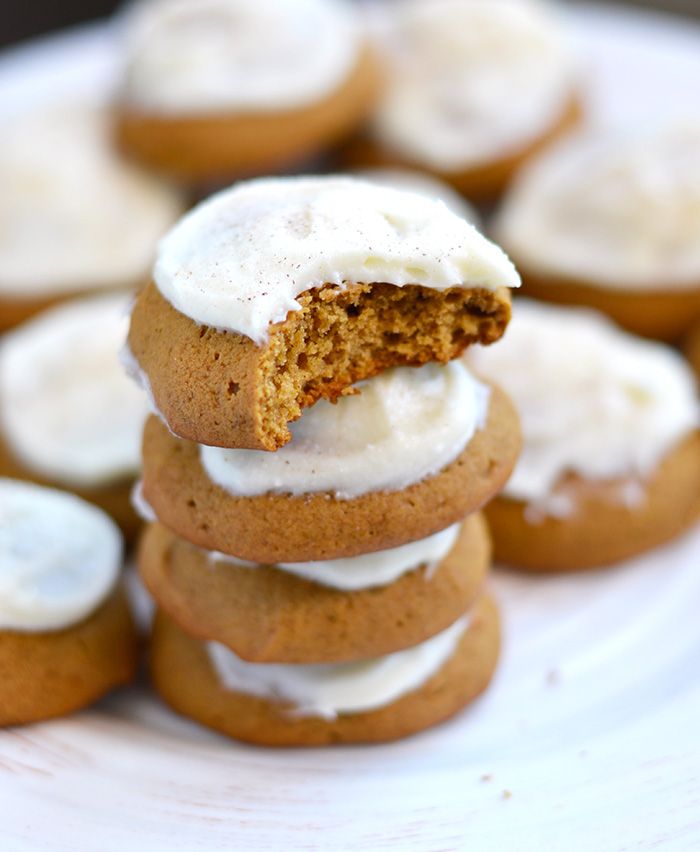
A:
[(553, 677), (506, 794), (486, 778)]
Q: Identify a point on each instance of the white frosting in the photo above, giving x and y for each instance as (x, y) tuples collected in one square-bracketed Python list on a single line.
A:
[(59, 557), (470, 81), (404, 426), (67, 410), (424, 184), (330, 690), (239, 260), (634, 222), (592, 400), (141, 506), (73, 216), (203, 56), (372, 570)]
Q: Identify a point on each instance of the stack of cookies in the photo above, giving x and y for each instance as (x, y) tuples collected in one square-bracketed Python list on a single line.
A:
[(315, 449)]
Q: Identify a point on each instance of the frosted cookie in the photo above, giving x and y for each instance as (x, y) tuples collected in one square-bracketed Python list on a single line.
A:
[(217, 89), (311, 612), (424, 184), (373, 700), (626, 240), (414, 452), (281, 292), (75, 218), (473, 89), (69, 416), (66, 635), (611, 450)]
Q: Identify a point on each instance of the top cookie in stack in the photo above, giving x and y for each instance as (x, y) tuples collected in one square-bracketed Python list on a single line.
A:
[(280, 292)]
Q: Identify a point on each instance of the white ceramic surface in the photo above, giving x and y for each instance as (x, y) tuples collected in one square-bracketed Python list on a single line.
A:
[(587, 742)]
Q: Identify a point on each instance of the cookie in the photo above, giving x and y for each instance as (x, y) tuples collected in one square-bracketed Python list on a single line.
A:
[(235, 111), (601, 528), (473, 90), (610, 464), (67, 195), (270, 614), (692, 349), (66, 635), (277, 293), (69, 416), (278, 527), (626, 240), (185, 676), (44, 675)]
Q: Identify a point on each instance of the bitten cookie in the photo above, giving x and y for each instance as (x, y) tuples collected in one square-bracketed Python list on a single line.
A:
[(69, 416), (217, 89), (414, 452), (473, 90), (314, 612), (377, 700), (66, 635), (80, 220), (625, 241), (611, 450), (278, 293)]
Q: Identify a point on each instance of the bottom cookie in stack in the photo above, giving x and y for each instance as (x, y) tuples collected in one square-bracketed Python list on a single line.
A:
[(364, 649)]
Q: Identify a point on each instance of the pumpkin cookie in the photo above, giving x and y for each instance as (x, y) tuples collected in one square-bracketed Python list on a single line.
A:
[(473, 90), (413, 453), (278, 293), (69, 417), (217, 89), (67, 197), (611, 450), (625, 241), (313, 612), (376, 700), (66, 635)]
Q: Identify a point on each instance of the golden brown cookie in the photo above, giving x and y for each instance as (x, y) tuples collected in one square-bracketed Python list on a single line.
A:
[(220, 147), (662, 314), (692, 349), (49, 674), (219, 388), (115, 498), (602, 529), (273, 528), (268, 615), (482, 183), (186, 680)]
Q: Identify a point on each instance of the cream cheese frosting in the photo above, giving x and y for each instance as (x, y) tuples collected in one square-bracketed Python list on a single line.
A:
[(239, 260), (369, 571), (60, 558), (73, 216), (207, 56), (423, 184), (330, 690), (403, 426), (593, 400), (67, 410), (633, 223), (470, 81)]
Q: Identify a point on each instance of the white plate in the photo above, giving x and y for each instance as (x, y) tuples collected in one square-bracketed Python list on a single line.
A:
[(588, 739)]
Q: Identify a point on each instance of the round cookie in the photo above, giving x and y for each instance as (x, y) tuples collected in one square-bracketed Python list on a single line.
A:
[(625, 241), (279, 527), (66, 634), (69, 416), (602, 529), (66, 195), (610, 465), (234, 111), (267, 614), (186, 679), (277, 293), (473, 90)]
